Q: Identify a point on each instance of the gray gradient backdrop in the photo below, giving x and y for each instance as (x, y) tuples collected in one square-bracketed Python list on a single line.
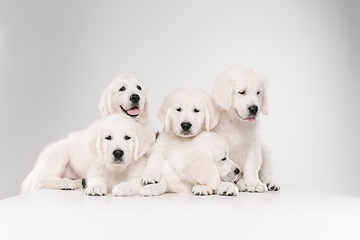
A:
[(56, 57)]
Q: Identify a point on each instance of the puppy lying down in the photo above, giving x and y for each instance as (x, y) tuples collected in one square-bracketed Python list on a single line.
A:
[(200, 165), (184, 114), (107, 153)]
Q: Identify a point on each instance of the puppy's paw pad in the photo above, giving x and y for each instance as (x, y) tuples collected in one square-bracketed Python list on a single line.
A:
[(67, 184), (273, 186), (124, 190), (96, 191), (151, 190), (202, 190), (227, 189)]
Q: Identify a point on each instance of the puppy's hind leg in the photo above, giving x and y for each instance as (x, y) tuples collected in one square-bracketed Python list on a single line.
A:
[(60, 183), (49, 170)]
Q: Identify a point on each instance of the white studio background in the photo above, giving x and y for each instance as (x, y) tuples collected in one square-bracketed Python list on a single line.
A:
[(56, 57)]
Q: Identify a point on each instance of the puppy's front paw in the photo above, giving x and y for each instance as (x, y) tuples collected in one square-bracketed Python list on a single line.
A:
[(256, 187), (227, 189), (125, 189), (273, 186), (241, 185), (150, 179), (201, 190), (96, 190), (67, 184), (151, 190)]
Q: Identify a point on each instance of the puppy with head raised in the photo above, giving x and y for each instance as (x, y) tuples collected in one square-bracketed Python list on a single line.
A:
[(63, 164), (242, 94), (118, 149), (200, 165), (127, 95), (184, 113)]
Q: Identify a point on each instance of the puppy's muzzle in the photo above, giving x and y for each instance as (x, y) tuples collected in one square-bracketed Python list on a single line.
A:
[(185, 126), (118, 154)]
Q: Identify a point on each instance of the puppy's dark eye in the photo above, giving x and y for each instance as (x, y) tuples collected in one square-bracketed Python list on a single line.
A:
[(127, 137), (139, 88), (178, 109), (108, 137), (223, 159), (122, 89), (196, 110), (258, 93), (242, 92)]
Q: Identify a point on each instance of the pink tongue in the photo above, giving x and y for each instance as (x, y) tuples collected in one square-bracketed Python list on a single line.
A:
[(252, 119), (133, 111)]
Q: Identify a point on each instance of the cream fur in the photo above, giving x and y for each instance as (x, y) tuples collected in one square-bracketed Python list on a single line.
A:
[(88, 154), (235, 91), (191, 105), (200, 165), (114, 101)]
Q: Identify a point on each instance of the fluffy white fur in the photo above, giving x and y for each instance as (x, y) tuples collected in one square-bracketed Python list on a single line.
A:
[(200, 165), (184, 106), (117, 99), (236, 91), (122, 176), (89, 153)]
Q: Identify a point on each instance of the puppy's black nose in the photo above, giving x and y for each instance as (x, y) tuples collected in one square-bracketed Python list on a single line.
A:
[(135, 98), (118, 154), (237, 171), (253, 109), (186, 126)]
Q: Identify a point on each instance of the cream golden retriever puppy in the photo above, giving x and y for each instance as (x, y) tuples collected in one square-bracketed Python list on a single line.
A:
[(184, 114), (200, 165), (242, 94), (127, 95), (108, 154)]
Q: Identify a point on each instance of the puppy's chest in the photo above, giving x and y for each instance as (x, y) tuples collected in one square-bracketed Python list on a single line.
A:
[(181, 168), (134, 170), (238, 140)]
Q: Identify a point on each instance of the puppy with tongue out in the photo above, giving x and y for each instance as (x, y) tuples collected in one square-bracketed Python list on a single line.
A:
[(135, 110), (126, 94), (242, 94)]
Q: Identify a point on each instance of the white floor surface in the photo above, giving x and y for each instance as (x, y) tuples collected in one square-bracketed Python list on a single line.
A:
[(292, 213)]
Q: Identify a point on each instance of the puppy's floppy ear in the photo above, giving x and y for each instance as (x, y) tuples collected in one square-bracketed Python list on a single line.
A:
[(265, 104), (105, 105), (222, 91), (141, 144), (94, 145), (146, 110), (204, 170), (212, 115), (164, 114)]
